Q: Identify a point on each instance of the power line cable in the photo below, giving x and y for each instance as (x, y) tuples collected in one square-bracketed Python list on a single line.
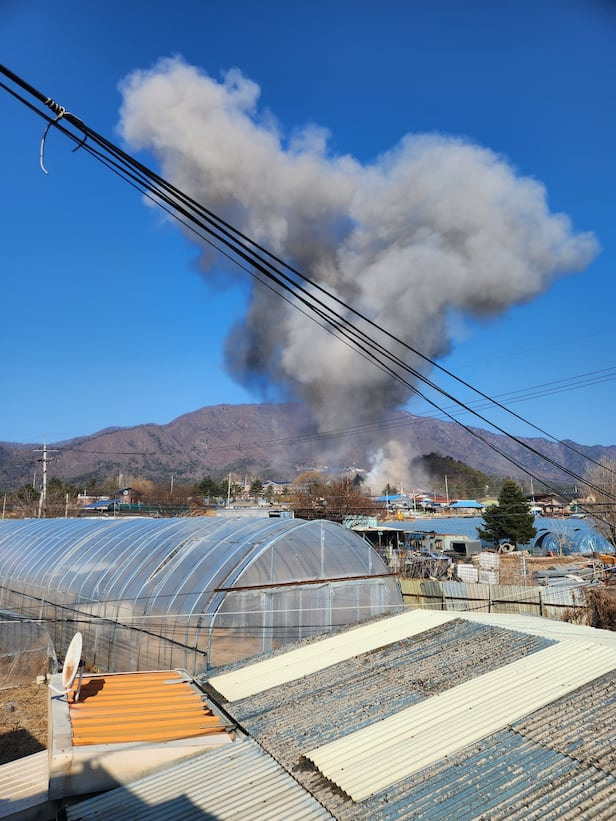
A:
[(520, 395), (250, 253)]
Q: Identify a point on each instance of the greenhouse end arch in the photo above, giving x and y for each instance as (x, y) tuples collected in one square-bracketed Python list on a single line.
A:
[(190, 592)]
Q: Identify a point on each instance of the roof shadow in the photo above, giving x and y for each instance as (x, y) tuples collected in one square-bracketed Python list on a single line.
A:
[(18, 743)]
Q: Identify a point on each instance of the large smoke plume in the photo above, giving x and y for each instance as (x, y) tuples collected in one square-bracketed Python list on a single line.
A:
[(434, 226)]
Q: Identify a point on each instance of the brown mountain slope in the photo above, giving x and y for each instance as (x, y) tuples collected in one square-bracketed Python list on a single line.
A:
[(274, 441)]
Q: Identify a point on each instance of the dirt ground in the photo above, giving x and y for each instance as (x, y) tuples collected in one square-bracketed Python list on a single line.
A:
[(23, 724), (518, 568)]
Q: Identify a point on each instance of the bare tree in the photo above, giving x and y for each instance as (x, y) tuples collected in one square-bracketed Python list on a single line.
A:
[(334, 499), (602, 503)]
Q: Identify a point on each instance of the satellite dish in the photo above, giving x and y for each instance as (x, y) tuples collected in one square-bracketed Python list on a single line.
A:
[(72, 660)]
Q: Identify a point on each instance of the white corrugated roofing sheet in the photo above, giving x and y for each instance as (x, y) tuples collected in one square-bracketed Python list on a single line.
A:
[(371, 759), (255, 678), (548, 628), (240, 782), (23, 787)]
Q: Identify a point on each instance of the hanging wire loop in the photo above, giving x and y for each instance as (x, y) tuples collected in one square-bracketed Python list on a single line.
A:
[(59, 111)]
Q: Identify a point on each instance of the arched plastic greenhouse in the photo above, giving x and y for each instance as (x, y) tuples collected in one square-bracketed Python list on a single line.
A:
[(571, 540), (193, 592)]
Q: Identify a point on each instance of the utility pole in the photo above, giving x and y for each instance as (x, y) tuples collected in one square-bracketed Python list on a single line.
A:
[(42, 509)]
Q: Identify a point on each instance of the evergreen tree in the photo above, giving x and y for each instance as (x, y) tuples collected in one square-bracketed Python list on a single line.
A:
[(510, 520), (210, 487), (390, 490), (256, 488), (463, 481)]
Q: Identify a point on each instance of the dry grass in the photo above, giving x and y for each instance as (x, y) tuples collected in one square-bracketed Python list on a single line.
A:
[(513, 565), (23, 728), (602, 608)]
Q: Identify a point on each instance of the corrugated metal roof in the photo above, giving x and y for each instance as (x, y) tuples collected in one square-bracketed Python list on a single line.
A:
[(582, 724), (285, 667), (259, 676), (377, 756), (524, 772), (23, 788), (306, 713), (544, 765), (300, 715), (504, 776), (239, 782), (127, 707), (549, 628)]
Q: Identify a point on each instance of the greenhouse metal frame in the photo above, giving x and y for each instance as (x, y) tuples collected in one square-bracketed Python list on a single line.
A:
[(188, 592)]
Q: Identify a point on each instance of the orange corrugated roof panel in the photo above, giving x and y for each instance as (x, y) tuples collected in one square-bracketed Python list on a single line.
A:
[(123, 707)]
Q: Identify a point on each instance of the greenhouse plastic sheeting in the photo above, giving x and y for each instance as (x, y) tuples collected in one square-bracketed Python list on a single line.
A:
[(26, 651), (189, 592)]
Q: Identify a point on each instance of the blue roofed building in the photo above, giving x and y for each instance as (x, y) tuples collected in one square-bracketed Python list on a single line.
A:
[(467, 506)]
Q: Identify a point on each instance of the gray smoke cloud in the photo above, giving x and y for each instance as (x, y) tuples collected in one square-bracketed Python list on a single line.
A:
[(391, 464), (433, 227)]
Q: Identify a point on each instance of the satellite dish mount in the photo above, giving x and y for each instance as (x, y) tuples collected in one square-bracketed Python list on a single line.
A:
[(73, 666)]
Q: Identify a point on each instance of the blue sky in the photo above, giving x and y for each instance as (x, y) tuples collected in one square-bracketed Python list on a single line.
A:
[(106, 319)]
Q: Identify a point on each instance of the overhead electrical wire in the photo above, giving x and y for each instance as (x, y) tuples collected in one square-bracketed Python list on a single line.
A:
[(524, 394), (287, 282), (347, 332), (329, 317), (129, 623), (84, 617), (520, 395), (569, 383)]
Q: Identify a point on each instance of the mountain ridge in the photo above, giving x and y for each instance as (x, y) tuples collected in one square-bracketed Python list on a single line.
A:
[(276, 441)]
